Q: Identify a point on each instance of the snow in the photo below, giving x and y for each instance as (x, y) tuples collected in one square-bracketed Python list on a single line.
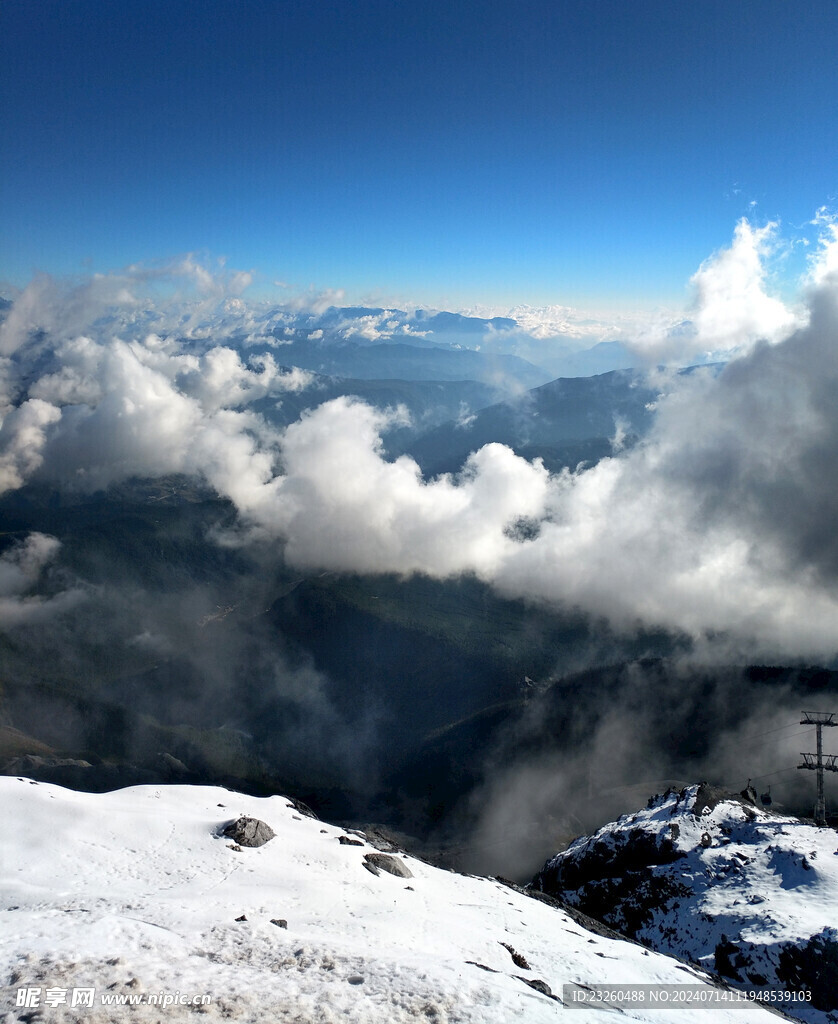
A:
[(759, 879), (136, 892)]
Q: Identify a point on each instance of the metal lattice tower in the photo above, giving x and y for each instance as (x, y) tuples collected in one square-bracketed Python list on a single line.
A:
[(817, 762)]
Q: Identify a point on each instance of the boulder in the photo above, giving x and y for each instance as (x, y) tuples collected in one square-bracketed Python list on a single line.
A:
[(248, 831), (378, 862), (348, 841)]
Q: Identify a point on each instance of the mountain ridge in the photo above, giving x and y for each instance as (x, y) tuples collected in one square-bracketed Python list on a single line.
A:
[(141, 892), (705, 875)]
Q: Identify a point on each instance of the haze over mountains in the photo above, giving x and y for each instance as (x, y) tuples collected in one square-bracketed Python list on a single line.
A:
[(464, 607)]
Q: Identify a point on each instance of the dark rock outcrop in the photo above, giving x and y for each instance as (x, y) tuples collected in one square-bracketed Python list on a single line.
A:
[(813, 968), (301, 808), (613, 871), (378, 862), (248, 831)]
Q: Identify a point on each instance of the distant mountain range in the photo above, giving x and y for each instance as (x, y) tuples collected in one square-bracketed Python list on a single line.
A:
[(565, 422), (422, 685), (397, 360), (428, 403), (183, 656), (373, 342)]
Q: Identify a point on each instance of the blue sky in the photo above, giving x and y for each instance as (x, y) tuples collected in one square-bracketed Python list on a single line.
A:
[(589, 153)]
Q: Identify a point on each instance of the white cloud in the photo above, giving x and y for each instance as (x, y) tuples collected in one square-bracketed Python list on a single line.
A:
[(316, 302), (371, 327), (120, 398), (21, 567), (145, 423), (221, 380), (341, 504), (824, 261), (23, 437), (733, 309), (720, 522)]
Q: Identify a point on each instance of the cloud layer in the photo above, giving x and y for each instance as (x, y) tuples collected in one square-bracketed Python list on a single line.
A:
[(22, 567), (719, 525)]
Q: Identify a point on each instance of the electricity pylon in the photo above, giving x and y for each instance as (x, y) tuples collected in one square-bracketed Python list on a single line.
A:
[(816, 762)]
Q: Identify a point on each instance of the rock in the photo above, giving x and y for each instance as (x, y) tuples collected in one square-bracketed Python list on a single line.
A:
[(708, 798), (386, 862), (482, 967), (725, 954), (539, 986), (813, 968), (242, 918), (248, 831), (749, 794), (517, 958), (280, 922), (301, 808), (346, 841), (386, 840)]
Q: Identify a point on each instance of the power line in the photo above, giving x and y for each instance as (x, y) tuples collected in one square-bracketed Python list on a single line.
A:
[(756, 735), (779, 771)]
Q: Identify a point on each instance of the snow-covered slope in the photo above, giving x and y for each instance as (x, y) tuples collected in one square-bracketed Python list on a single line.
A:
[(137, 893), (706, 876)]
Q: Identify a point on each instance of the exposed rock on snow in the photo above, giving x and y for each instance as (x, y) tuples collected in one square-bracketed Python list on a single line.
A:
[(704, 875), (517, 959), (349, 841), (246, 831), (377, 862), (301, 808)]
